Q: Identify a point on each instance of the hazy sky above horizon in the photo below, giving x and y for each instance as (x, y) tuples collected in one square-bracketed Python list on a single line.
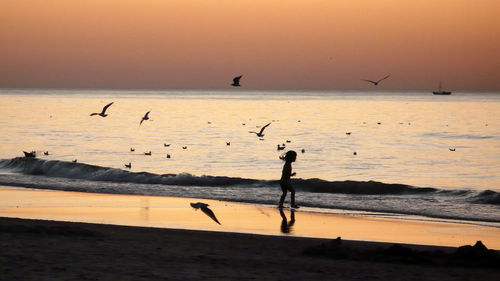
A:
[(275, 44)]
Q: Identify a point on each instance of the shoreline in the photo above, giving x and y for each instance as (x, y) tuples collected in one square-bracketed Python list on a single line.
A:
[(176, 213)]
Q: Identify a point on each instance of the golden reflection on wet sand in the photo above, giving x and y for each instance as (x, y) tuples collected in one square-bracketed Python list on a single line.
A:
[(168, 212)]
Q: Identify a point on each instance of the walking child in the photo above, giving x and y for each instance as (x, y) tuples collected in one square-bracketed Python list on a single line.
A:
[(285, 181)]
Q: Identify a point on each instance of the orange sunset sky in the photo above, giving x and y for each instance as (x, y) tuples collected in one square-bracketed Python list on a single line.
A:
[(275, 44)]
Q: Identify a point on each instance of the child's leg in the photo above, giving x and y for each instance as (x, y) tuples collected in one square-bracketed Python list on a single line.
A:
[(292, 196), (282, 199)]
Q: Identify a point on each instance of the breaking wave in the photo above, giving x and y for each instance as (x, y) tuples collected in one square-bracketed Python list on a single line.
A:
[(70, 170), (487, 197), (368, 196)]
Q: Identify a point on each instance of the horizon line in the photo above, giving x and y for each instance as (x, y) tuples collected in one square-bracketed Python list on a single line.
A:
[(243, 89)]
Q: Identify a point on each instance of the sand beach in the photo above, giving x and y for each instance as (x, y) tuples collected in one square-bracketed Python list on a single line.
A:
[(84, 236)]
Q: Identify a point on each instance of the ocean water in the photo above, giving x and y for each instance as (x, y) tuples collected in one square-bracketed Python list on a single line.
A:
[(388, 153)]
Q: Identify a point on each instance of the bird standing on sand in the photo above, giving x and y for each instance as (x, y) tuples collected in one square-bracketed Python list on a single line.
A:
[(103, 112), (236, 81), (204, 208), (376, 82), (145, 117), (261, 133)]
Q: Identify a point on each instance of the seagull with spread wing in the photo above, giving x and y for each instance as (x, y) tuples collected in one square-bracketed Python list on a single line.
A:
[(376, 82), (145, 117), (204, 208), (103, 112), (261, 133)]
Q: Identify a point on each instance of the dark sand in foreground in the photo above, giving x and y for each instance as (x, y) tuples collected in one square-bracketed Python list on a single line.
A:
[(50, 250)]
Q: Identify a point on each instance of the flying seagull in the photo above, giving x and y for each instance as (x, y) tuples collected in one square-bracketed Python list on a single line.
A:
[(103, 112), (145, 117), (261, 133), (236, 81), (204, 208), (376, 82)]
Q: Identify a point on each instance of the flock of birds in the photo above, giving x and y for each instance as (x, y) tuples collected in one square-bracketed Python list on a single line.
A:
[(236, 83), (260, 134)]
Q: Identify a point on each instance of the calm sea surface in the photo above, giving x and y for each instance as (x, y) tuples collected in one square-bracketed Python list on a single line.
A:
[(370, 151)]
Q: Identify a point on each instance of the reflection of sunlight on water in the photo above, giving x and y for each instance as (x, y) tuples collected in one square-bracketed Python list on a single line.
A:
[(409, 146), (246, 218), (144, 210)]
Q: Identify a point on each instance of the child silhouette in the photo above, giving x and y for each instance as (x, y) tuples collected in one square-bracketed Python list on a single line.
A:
[(285, 181)]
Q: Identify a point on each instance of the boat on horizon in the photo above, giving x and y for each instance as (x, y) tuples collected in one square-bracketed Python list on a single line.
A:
[(441, 91)]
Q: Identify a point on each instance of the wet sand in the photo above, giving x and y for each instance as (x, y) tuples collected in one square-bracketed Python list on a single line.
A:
[(176, 213), (178, 243)]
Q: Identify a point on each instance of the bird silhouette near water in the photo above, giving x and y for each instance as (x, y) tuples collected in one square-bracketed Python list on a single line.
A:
[(31, 154), (236, 81), (378, 81), (103, 112), (145, 117), (261, 133), (204, 208)]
